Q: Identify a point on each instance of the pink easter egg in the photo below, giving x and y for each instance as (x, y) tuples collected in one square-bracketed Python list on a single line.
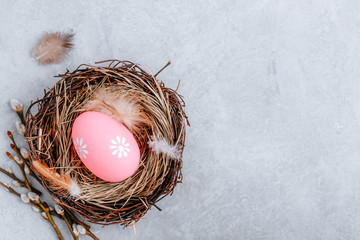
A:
[(106, 147)]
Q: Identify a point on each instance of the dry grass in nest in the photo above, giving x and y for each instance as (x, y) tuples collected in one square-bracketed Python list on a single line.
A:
[(48, 132)]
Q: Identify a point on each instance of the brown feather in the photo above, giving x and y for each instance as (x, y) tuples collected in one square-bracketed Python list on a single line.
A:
[(57, 181), (120, 105), (53, 47)]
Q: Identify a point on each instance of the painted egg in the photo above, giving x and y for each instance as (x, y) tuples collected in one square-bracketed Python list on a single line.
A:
[(105, 146)]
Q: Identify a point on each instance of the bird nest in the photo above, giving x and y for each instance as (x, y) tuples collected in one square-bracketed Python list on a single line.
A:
[(161, 121)]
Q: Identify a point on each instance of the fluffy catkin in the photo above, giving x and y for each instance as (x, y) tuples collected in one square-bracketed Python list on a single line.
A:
[(53, 47)]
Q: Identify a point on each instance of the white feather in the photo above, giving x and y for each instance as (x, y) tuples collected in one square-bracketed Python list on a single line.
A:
[(75, 189), (160, 145)]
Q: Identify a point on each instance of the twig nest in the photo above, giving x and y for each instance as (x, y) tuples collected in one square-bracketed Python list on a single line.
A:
[(151, 112)]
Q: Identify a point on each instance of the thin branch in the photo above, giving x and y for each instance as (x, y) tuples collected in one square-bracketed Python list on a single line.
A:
[(87, 227), (46, 209), (32, 203), (22, 184), (162, 69), (21, 116), (17, 150), (21, 166), (90, 234), (68, 224)]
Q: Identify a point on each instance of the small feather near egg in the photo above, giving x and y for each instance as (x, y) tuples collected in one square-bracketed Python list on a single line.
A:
[(105, 146)]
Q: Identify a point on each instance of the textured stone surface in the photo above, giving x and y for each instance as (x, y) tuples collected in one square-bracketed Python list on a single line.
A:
[(272, 91)]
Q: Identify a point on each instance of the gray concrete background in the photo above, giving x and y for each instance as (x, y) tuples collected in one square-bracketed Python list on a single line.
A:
[(273, 95)]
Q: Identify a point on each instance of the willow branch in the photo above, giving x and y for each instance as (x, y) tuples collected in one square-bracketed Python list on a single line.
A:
[(32, 203), (90, 234), (17, 150), (46, 209), (21, 166), (68, 224), (22, 184), (77, 221), (21, 116)]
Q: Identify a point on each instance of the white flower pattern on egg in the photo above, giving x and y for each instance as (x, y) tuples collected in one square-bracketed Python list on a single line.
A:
[(81, 148), (120, 147)]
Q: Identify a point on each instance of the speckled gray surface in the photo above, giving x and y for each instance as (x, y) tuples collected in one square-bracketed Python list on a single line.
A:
[(272, 91)]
